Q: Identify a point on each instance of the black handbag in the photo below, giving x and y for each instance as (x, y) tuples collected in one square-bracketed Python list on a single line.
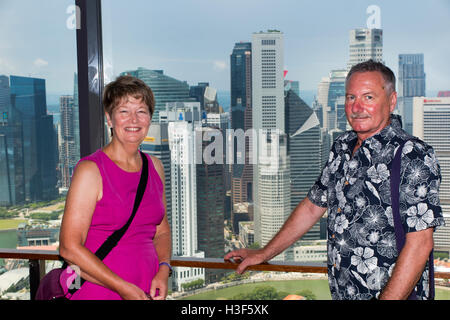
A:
[(50, 287)]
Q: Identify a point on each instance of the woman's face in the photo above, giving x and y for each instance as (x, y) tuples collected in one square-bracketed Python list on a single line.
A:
[(130, 120)]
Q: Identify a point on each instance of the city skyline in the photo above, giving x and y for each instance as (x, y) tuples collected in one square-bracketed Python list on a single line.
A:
[(195, 43), (181, 51)]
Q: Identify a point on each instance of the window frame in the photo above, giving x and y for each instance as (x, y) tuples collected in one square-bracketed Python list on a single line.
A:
[(90, 76)]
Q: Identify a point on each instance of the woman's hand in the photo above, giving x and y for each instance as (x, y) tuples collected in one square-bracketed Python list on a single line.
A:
[(159, 283)]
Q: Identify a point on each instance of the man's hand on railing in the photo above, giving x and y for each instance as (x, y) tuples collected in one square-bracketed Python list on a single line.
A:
[(246, 258)]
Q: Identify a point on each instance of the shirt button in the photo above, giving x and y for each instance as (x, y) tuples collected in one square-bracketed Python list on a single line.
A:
[(339, 210)]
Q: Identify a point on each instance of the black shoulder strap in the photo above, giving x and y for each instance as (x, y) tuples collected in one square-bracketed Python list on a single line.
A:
[(400, 236), (114, 238)]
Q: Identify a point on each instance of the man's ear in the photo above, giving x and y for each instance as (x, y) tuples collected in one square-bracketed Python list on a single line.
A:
[(392, 101)]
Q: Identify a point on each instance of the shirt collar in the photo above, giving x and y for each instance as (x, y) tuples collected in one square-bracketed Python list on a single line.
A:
[(394, 126)]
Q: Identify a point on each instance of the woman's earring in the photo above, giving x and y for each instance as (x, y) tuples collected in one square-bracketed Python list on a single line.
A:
[(111, 129)]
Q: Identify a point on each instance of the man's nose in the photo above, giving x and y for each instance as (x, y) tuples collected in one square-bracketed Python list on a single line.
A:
[(357, 106)]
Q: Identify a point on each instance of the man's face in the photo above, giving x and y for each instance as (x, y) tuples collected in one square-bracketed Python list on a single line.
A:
[(368, 103)]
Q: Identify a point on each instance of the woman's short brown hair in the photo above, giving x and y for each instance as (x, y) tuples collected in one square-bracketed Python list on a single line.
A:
[(123, 87)]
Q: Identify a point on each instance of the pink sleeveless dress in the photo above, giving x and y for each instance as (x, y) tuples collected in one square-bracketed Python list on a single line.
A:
[(134, 258)]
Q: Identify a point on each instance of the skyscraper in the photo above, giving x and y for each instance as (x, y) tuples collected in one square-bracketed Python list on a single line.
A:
[(365, 44), (241, 116), (76, 117), (198, 93), (241, 82), (165, 88), (183, 122), (304, 146), (336, 91), (40, 153), (157, 144), (271, 189), (12, 184), (322, 101), (210, 211), (431, 118), (411, 83), (68, 156)]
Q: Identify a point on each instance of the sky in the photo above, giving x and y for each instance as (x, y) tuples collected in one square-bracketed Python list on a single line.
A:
[(192, 40)]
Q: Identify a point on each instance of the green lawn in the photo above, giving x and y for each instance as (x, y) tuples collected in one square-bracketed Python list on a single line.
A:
[(442, 294), (318, 287), (10, 223)]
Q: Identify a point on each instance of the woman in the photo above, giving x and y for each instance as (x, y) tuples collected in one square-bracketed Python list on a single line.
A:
[(100, 201)]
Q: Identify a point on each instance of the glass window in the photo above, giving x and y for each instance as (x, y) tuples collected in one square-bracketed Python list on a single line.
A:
[(228, 57), (39, 143)]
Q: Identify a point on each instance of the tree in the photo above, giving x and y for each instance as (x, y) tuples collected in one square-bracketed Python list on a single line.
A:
[(259, 293), (308, 294), (255, 245), (193, 284)]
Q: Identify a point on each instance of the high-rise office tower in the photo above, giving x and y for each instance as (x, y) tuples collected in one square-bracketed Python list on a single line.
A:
[(183, 122), (241, 83), (336, 91), (157, 144), (271, 189), (322, 101), (210, 211), (5, 193), (68, 156), (198, 93), (5, 98), (12, 184), (40, 151), (365, 44), (304, 135), (411, 83), (292, 85), (241, 118), (165, 88), (431, 118), (329, 93), (76, 117)]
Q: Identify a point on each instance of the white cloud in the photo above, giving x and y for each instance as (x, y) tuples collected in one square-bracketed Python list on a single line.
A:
[(6, 66), (40, 63), (219, 65)]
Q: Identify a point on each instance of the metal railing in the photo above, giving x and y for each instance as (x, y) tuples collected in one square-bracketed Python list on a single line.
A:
[(37, 265)]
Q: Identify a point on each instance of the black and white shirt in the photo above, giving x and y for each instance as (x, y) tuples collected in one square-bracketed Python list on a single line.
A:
[(356, 190)]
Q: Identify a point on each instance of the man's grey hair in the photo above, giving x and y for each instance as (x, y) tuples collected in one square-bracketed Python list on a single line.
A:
[(371, 65)]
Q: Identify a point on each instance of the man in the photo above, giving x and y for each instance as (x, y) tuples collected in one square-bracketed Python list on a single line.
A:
[(363, 262)]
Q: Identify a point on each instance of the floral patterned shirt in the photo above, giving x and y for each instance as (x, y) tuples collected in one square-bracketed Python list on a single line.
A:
[(356, 190)]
